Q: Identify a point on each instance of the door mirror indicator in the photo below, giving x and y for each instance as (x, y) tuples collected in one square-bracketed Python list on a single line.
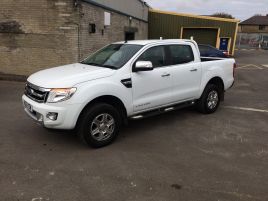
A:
[(143, 66)]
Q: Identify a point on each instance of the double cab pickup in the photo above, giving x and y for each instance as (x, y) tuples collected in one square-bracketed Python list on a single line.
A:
[(126, 80)]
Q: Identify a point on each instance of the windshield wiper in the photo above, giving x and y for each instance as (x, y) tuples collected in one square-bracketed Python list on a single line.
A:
[(99, 65), (110, 66), (92, 64)]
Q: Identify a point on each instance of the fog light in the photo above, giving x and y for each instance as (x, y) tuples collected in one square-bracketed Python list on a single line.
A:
[(52, 116)]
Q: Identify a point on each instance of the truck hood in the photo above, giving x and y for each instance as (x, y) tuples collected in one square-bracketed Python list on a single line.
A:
[(68, 75)]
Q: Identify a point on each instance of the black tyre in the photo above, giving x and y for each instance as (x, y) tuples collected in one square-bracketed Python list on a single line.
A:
[(99, 125), (210, 99)]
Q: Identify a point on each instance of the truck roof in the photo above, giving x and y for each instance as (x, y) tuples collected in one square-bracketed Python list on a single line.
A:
[(148, 42)]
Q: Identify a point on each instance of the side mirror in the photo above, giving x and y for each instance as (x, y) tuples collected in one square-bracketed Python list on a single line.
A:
[(143, 66)]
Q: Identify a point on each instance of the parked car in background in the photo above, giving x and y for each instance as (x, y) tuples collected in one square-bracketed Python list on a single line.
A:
[(210, 51), (126, 80)]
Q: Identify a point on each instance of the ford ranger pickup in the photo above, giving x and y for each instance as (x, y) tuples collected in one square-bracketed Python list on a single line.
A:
[(126, 80)]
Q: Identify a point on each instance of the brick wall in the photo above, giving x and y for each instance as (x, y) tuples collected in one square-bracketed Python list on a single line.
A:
[(35, 35), (252, 29), (89, 43)]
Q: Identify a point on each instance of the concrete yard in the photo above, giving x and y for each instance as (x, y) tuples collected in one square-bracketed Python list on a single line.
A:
[(181, 155)]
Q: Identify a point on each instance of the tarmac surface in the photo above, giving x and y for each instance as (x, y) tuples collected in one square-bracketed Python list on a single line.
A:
[(181, 155)]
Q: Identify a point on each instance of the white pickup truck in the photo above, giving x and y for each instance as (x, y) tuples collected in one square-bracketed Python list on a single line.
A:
[(126, 80)]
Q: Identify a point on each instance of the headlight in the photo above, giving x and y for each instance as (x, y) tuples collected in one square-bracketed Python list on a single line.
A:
[(58, 95)]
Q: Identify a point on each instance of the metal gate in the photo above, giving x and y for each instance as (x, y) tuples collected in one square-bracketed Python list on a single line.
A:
[(252, 41)]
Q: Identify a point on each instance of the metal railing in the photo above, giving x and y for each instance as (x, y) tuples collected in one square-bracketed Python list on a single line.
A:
[(252, 41)]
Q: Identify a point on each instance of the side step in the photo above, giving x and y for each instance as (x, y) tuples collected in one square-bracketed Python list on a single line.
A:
[(162, 110)]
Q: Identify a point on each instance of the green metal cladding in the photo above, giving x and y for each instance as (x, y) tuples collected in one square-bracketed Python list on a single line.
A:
[(169, 26)]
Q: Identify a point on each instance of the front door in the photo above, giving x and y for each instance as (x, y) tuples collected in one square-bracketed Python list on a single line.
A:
[(152, 89), (224, 42)]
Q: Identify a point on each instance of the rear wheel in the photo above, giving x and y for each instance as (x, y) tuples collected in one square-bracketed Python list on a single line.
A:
[(99, 125), (210, 99)]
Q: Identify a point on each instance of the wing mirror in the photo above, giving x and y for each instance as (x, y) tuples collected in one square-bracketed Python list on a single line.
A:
[(143, 66)]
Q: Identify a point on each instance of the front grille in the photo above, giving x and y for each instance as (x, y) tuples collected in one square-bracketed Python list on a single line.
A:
[(36, 93)]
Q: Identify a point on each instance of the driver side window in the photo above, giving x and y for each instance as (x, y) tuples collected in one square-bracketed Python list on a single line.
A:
[(156, 55)]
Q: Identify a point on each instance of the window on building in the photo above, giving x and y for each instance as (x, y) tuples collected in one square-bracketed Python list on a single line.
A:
[(262, 27), (181, 54), (129, 36), (156, 55)]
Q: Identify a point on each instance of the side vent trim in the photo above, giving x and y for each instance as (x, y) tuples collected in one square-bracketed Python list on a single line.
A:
[(127, 82)]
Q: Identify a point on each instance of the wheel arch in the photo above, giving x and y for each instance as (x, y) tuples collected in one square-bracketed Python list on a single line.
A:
[(111, 100), (218, 82)]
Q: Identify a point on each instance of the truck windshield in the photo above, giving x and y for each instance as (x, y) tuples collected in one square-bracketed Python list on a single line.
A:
[(113, 56)]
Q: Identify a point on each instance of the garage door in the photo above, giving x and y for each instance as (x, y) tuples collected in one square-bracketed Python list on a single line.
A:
[(201, 35)]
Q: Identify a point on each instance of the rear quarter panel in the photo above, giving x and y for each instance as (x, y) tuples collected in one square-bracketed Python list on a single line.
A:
[(222, 68)]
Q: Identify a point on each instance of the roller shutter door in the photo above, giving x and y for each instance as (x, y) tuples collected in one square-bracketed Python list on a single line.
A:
[(201, 35)]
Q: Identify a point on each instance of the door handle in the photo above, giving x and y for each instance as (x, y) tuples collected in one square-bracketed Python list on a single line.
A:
[(193, 70), (165, 75)]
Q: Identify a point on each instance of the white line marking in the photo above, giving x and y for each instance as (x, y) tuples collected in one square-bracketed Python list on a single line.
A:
[(250, 66), (64, 15), (67, 28), (37, 199), (244, 66), (257, 67), (265, 65), (246, 109), (60, 4)]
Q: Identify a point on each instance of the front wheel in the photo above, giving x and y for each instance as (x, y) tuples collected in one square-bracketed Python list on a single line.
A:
[(99, 125), (210, 99)]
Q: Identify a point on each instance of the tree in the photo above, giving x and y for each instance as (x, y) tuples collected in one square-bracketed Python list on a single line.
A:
[(223, 15), (257, 15)]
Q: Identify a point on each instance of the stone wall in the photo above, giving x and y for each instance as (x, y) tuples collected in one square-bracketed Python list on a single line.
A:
[(35, 35), (90, 42), (252, 29)]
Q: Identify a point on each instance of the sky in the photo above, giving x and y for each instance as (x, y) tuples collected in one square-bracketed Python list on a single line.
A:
[(240, 9)]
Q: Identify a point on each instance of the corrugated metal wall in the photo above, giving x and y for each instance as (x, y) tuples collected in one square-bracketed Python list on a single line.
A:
[(169, 26), (202, 36)]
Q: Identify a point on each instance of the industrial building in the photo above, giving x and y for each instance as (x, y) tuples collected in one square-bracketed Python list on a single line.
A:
[(218, 32), (35, 35)]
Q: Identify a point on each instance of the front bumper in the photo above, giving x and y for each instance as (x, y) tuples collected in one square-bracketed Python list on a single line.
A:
[(66, 119)]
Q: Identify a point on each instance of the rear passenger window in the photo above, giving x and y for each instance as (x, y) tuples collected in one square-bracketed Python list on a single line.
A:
[(156, 55), (181, 54)]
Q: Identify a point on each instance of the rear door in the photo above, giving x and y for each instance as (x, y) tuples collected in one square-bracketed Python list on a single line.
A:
[(186, 72), (152, 89)]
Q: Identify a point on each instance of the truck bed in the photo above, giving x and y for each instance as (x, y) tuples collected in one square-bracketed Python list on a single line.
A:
[(206, 59)]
